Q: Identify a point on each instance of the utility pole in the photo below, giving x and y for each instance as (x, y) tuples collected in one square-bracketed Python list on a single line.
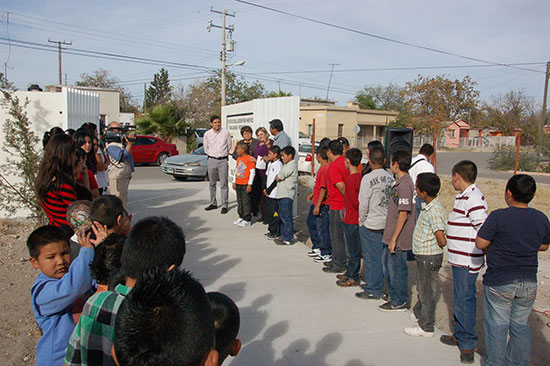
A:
[(543, 122), (230, 29), (330, 78), (59, 43)]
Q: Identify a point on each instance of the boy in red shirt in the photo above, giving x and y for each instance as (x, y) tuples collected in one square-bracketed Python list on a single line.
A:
[(242, 183), (351, 219)]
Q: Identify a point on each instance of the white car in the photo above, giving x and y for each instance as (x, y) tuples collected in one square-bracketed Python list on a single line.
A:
[(305, 156)]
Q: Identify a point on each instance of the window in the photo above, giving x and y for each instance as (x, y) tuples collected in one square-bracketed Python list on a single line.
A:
[(340, 130), (452, 134), (310, 130)]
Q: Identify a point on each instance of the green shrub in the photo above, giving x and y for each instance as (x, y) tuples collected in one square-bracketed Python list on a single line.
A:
[(504, 158)]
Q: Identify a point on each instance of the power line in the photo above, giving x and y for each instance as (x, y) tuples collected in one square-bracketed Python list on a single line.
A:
[(383, 38)]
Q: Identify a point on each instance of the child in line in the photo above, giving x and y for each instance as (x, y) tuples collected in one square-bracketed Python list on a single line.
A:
[(374, 198), (165, 320), (226, 323), (60, 283), (242, 183), (511, 238), (272, 205), (108, 210), (287, 180), (468, 215), (351, 219), (152, 242), (428, 243), (318, 223), (398, 234)]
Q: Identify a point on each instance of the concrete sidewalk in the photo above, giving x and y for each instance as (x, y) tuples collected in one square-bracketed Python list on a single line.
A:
[(292, 313)]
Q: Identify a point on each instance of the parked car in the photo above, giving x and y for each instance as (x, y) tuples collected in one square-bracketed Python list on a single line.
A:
[(199, 134), (184, 166), (305, 157), (150, 149)]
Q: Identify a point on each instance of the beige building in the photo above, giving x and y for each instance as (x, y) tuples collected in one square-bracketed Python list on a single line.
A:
[(333, 121)]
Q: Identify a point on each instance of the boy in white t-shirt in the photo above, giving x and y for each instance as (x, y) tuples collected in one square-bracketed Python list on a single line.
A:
[(274, 166)]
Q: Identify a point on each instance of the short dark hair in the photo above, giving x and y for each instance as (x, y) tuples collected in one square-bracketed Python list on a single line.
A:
[(429, 183), (107, 258), (522, 187), (323, 152), (152, 242), (403, 160), (227, 322), (213, 118), (289, 150), (276, 124), (427, 149), (467, 170), (106, 209), (43, 236), (275, 150), (246, 129), (374, 143), (165, 320), (354, 156), (377, 155), (243, 145), (344, 141), (324, 142), (335, 147)]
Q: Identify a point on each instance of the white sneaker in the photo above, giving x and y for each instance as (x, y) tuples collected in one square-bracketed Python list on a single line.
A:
[(244, 223), (238, 221), (312, 253), (413, 318), (418, 332)]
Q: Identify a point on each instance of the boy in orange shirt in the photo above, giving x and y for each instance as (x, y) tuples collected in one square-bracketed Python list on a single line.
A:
[(242, 183)]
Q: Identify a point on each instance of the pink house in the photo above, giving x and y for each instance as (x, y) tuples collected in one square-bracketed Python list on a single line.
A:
[(455, 131)]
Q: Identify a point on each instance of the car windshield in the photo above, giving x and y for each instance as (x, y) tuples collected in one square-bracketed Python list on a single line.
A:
[(199, 151), (306, 148), (200, 133)]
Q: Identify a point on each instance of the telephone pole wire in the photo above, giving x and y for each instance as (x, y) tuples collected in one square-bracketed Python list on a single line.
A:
[(59, 43), (230, 29), (544, 121)]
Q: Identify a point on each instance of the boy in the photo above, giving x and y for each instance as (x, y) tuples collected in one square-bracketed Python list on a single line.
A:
[(351, 219), (153, 242), (273, 168), (428, 242), (287, 180), (421, 164), (108, 210), (511, 237), (398, 232), (226, 323), (165, 320), (374, 199), (318, 219), (242, 183), (56, 288), (469, 213)]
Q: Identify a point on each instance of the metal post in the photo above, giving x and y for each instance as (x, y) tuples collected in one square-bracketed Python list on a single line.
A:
[(543, 122), (518, 143), (313, 149), (223, 58)]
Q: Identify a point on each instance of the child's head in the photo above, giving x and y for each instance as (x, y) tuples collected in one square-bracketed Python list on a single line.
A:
[(345, 144), (325, 141), (377, 157), (242, 148), (427, 150), (49, 251), (165, 320), (322, 154), (371, 145), (107, 258), (353, 157), (400, 161), (153, 242), (427, 185), (274, 153), (287, 154), (464, 173), (108, 210), (227, 322), (520, 188), (335, 149)]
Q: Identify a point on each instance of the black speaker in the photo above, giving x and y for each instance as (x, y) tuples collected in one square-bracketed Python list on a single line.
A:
[(398, 139)]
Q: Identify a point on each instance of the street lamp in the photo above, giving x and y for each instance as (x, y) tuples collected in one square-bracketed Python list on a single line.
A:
[(224, 67)]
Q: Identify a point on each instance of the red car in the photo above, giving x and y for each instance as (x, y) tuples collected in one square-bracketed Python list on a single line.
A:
[(150, 149)]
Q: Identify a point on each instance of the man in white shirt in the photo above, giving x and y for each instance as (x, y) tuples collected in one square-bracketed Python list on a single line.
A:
[(421, 164), (217, 144)]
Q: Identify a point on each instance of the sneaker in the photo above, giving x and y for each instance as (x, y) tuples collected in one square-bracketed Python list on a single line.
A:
[(413, 318), (350, 282), (323, 259), (449, 340), (224, 211), (238, 221), (280, 241), (385, 297), (366, 296), (210, 208), (467, 356), (341, 276), (388, 307), (418, 332), (271, 236), (314, 253), (244, 223), (333, 269)]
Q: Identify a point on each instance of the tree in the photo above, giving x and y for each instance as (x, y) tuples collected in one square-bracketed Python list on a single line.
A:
[(160, 90), (277, 94), (386, 98), (102, 78), (237, 88), (5, 84), (164, 120), (365, 101)]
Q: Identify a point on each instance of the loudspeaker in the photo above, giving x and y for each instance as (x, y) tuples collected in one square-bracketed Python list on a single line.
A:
[(398, 139)]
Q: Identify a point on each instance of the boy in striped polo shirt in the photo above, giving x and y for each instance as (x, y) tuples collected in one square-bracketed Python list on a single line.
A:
[(468, 215)]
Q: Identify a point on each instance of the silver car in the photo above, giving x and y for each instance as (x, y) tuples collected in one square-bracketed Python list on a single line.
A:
[(184, 166)]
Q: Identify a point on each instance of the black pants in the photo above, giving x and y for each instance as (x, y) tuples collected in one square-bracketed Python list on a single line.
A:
[(243, 202), (257, 195), (272, 216)]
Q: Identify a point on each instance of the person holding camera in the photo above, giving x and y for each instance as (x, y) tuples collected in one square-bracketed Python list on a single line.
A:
[(119, 153)]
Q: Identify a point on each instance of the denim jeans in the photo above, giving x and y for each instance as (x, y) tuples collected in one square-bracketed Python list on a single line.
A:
[(465, 307), (396, 273), (506, 310), (287, 219), (427, 284), (373, 248), (244, 203), (353, 244), (272, 217), (337, 241), (319, 229)]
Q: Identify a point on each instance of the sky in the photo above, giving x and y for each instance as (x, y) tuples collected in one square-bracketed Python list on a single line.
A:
[(282, 51)]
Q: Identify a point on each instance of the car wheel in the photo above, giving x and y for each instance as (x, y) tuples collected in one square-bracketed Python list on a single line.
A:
[(206, 178), (162, 156), (181, 178)]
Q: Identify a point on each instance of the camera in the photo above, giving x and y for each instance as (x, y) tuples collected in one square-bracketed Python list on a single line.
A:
[(116, 134)]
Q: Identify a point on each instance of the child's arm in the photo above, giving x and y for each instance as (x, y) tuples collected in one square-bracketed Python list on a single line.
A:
[(284, 173), (401, 220), (441, 238), (477, 215), (364, 200), (250, 180), (542, 248), (322, 195)]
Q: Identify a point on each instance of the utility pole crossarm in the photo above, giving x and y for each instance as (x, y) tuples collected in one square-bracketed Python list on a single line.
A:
[(224, 28)]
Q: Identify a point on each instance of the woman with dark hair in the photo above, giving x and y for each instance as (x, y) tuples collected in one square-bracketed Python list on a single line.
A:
[(49, 134), (83, 139), (102, 162), (84, 177), (247, 134), (260, 152)]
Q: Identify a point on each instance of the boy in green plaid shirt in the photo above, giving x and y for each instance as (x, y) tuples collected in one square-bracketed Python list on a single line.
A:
[(428, 242)]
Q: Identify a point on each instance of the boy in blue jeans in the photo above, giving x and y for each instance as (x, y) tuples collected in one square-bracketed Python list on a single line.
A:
[(287, 180), (511, 238)]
